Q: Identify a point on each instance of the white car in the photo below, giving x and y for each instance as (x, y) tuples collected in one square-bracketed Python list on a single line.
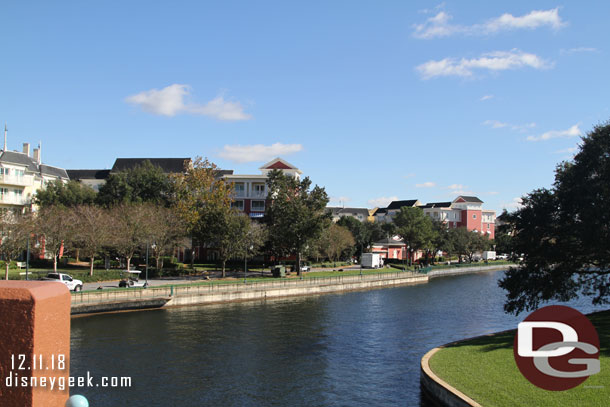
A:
[(72, 283)]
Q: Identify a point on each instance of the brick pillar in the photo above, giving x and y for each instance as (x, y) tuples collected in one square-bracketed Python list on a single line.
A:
[(34, 325)]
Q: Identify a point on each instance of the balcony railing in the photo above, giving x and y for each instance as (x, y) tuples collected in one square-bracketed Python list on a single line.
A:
[(13, 180), (13, 200)]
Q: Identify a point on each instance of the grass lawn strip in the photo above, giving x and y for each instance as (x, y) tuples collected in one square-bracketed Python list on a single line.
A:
[(484, 369)]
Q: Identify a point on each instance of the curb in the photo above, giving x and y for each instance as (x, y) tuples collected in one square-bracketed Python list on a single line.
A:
[(439, 390)]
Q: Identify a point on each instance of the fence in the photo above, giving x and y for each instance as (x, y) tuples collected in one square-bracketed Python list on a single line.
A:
[(131, 294)]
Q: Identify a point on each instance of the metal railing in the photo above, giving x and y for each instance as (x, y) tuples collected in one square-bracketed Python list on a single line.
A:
[(131, 294)]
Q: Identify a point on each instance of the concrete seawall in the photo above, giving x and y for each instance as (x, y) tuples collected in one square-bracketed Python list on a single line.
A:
[(130, 299)]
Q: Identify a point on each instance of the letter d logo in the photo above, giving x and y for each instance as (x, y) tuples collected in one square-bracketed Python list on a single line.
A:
[(556, 348)]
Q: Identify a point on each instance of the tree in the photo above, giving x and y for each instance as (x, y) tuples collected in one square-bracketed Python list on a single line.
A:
[(130, 229), (143, 183), (563, 232), (415, 228), (296, 214), (71, 193), (200, 196), (165, 231), (466, 243), (335, 240), (55, 227), (91, 231), (505, 226), (364, 233), (231, 231), (14, 231)]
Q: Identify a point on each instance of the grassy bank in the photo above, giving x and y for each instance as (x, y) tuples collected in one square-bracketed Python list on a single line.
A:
[(484, 369)]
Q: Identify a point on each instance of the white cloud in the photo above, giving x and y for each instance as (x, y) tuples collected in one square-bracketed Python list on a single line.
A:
[(492, 61), (486, 97), (170, 101), (495, 124), (426, 185), (339, 199), (456, 186), (257, 152), (532, 20), (515, 204), (381, 202), (573, 131), (440, 26)]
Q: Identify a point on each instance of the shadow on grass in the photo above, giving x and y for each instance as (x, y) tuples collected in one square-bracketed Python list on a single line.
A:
[(504, 340)]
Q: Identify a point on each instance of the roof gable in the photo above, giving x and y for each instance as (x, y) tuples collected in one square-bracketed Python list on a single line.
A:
[(279, 164), (463, 198)]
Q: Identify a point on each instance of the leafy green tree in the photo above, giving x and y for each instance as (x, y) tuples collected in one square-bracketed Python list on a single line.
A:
[(202, 199), (415, 228), (564, 231), (130, 229), (505, 225), (295, 215), (335, 240), (143, 183), (71, 193), (364, 233)]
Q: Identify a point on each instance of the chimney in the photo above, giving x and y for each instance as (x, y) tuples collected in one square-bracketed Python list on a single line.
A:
[(37, 155), (26, 149)]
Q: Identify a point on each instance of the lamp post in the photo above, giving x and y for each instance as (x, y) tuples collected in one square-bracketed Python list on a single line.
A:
[(248, 249), (27, 260)]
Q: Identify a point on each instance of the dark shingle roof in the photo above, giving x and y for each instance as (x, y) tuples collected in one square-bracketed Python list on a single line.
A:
[(15, 157), (168, 165), (381, 211), (333, 210), (470, 199), (436, 205), (78, 175), (400, 204), (53, 171)]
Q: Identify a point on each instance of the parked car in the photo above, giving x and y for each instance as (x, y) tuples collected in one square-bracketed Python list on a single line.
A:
[(72, 283), (305, 267), (502, 256)]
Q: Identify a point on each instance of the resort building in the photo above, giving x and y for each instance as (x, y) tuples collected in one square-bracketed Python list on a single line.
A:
[(22, 175), (337, 212), (250, 190), (463, 211)]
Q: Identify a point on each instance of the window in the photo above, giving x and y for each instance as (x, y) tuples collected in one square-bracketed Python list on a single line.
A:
[(18, 193), (239, 190), (474, 216), (3, 192), (258, 206), (488, 226), (238, 205), (259, 190)]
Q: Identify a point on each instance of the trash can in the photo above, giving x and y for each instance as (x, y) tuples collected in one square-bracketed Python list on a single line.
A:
[(279, 271)]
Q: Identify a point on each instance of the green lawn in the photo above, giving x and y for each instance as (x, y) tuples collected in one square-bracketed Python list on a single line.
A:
[(485, 370)]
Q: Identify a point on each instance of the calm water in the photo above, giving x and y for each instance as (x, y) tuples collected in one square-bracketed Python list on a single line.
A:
[(353, 349)]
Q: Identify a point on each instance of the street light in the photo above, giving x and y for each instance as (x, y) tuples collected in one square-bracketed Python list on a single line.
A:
[(248, 249)]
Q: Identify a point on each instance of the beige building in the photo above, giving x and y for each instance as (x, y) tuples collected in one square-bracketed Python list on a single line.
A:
[(21, 175)]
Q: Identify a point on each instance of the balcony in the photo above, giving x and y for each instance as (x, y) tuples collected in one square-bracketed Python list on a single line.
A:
[(13, 180), (13, 200)]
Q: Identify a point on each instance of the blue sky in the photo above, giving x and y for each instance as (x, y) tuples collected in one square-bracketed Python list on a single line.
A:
[(373, 100)]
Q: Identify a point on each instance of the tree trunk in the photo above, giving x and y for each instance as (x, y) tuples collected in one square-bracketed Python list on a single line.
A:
[(299, 263), (128, 262), (6, 270), (91, 266), (55, 263), (77, 255), (223, 268)]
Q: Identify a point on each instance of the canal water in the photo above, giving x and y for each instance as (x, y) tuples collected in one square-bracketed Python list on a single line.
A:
[(352, 349)]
